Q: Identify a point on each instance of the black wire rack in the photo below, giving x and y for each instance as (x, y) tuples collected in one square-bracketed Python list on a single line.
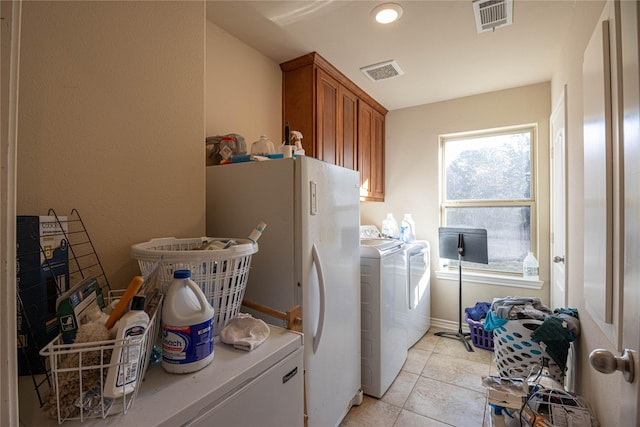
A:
[(53, 253)]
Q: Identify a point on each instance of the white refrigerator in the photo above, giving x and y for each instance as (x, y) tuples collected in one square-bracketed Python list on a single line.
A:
[(308, 255)]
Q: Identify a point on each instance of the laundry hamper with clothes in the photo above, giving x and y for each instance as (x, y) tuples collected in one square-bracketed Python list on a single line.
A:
[(479, 337), (517, 355), (221, 272), (475, 316)]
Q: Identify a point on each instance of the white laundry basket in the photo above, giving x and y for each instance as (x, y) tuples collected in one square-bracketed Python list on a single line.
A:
[(516, 354), (221, 273)]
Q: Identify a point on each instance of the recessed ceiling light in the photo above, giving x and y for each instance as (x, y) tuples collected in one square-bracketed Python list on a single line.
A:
[(387, 13)]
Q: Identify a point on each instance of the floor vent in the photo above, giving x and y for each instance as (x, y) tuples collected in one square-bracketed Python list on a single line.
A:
[(382, 71), (492, 14)]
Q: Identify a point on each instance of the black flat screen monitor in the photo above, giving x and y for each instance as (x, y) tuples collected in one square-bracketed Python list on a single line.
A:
[(471, 241)]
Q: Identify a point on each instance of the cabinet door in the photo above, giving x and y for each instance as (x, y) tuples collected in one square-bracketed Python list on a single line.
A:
[(327, 118), (337, 122), (377, 157), (298, 86), (371, 152), (347, 129)]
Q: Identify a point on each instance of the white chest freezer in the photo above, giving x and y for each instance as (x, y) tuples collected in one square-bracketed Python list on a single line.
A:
[(261, 387)]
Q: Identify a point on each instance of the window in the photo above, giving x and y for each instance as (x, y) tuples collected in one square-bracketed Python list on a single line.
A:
[(488, 181)]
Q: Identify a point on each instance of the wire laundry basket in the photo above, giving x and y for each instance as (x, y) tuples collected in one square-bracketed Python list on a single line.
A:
[(79, 371), (221, 273)]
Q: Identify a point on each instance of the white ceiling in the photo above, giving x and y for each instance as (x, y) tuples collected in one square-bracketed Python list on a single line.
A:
[(435, 43)]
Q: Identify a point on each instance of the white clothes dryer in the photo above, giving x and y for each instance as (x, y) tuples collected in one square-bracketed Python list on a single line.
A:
[(418, 264), (384, 309)]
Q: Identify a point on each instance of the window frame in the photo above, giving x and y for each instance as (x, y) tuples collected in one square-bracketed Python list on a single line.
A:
[(491, 275)]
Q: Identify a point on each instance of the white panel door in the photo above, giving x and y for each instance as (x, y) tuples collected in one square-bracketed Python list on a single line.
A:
[(558, 204), (628, 46), (598, 178), (630, 10)]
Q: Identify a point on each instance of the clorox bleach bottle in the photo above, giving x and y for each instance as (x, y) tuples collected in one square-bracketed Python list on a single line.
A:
[(187, 326)]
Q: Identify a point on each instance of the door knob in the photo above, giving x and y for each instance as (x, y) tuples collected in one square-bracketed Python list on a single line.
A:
[(558, 259), (605, 362)]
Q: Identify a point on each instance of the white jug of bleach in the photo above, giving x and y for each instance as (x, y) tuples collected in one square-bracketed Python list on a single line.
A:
[(187, 326)]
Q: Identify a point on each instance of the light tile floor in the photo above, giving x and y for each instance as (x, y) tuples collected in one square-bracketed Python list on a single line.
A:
[(440, 385)]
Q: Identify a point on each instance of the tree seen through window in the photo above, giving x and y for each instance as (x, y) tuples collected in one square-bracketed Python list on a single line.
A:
[(488, 184)]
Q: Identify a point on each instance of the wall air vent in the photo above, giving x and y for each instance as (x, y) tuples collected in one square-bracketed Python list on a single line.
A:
[(492, 14), (382, 71)]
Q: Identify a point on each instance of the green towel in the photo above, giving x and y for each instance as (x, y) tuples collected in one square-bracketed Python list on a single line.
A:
[(554, 337)]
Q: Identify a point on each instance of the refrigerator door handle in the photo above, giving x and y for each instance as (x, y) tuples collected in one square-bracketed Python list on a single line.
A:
[(316, 260)]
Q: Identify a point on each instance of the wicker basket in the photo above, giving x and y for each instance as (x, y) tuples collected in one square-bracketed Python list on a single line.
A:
[(221, 274)]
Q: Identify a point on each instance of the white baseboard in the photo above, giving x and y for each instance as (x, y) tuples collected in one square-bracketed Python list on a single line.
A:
[(448, 325)]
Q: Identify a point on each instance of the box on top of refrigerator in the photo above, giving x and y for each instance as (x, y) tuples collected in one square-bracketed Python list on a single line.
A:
[(42, 270)]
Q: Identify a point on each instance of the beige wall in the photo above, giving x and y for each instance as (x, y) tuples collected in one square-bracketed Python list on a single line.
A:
[(243, 90), (112, 116), (412, 177), (111, 121)]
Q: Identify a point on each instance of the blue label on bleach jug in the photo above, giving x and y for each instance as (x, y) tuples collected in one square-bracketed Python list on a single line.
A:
[(187, 344)]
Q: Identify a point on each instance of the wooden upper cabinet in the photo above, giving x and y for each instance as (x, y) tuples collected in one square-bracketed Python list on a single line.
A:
[(371, 153), (327, 144), (348, 128), (377, 144), (323, 104)]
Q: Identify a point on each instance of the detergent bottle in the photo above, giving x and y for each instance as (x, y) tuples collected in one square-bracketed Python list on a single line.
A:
[(390, 227), (409, 227), (530, 267), (187, 326)]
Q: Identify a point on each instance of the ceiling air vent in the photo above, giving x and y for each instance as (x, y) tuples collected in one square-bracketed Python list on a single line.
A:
[(382, 71), (492, 14)]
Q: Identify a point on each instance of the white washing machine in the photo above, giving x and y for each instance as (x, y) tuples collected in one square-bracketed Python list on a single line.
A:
[(384, 310), (418, 259)]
